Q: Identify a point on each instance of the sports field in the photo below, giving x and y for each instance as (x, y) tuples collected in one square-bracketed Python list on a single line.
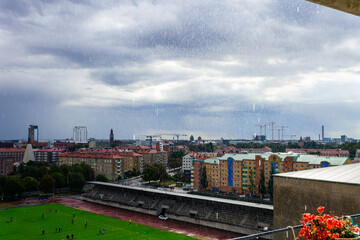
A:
[(29, 223)]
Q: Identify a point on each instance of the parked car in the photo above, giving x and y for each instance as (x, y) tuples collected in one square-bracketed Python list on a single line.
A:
[(163, 217)]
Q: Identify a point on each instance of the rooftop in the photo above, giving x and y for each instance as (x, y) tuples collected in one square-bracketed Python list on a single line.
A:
[(343, 174), (311, 159), (235, 202)]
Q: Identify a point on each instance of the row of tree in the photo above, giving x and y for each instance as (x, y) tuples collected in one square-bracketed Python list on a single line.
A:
[(175, 159), (37, 176), (155, 172), (209, 147), (351, 147)]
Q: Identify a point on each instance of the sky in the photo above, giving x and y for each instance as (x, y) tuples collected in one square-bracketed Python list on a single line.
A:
[(204, 68)]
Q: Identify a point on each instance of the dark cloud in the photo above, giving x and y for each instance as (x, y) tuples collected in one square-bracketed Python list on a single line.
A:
[(139, 66)]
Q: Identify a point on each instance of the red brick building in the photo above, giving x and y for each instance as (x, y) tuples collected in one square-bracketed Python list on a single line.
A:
[(9, 156), (321, 152)]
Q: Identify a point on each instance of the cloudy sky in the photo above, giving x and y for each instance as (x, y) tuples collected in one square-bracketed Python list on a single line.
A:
[(209, 68)]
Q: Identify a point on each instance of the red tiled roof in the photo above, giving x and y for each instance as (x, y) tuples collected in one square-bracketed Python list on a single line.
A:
[(51, 150), (231, 147), (328, 152), (144, 147), (89, 155), (12, 149)]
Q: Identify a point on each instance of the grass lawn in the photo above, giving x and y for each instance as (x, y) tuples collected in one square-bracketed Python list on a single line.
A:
[(27, 223)]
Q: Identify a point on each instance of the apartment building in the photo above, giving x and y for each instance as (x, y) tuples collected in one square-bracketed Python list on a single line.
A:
[(9, 156), (111, 165), (233, 172)]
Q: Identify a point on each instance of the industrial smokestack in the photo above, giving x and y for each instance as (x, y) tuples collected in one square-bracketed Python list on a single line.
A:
[(322, 131)]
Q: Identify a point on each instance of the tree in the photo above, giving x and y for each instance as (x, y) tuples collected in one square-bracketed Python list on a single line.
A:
[(101, 178), (203, 181), (131, 173), (76, 181), (13, 189), (55, 168), (3, 180), (252, 183), (87, 171), (262, 187), (175, 159), (211, 146), (30, 184), (59, 178), (65, 169), (271, 185), (148, 173), (155, 172), (42, 171), (160, 173), (21, 168), (77, 168), (30, 171), (47, 184)]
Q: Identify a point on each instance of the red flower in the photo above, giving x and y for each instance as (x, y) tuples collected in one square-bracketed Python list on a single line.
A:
[(325, 227), (320, 210)]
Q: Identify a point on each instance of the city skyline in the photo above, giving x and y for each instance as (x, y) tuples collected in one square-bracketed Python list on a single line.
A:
[(209, 69)]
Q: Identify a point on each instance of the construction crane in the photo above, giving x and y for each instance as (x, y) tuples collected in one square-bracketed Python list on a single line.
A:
[(150, 139), (279, 130), (261, 126), (265, 130), (282, 131), (291, 136), (175, 134), (272, 130)]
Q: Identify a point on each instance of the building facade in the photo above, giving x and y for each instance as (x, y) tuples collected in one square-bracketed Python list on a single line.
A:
[(50, 156), (188, 162), (111, 165), (153, 156), (240, 173), (33, 133), (129, 160), (132, 161), (80, 134), (9, 156)]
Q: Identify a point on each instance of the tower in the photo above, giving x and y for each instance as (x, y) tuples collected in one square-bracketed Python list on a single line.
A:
[(33, 133), (322, 132), (80, 134), (111, 137)]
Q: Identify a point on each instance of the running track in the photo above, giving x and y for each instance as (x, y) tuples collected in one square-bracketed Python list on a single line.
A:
[(188, 229)]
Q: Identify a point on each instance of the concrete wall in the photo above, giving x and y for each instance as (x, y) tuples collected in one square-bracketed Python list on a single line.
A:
[(293, 197)]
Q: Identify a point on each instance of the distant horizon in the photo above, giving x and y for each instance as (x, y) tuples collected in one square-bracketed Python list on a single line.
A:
[(168, 139)]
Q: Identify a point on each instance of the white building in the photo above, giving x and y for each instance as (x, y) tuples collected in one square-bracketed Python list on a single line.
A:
[(188, 162), (80, 134)]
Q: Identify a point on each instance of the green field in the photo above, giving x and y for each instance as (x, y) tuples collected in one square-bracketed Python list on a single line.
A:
[(27, 223)]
